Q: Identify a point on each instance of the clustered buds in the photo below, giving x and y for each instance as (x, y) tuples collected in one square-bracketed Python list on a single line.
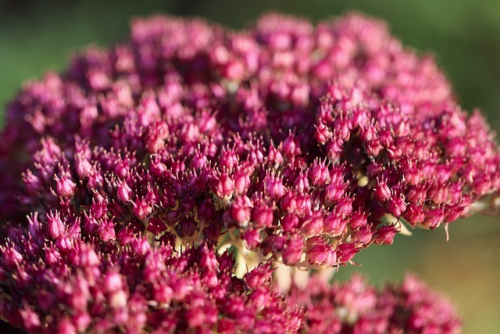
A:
[(294, 143), (128, 285), (356, 307)]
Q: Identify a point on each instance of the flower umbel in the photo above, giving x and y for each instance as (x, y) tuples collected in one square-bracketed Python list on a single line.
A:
[(287, 143), (356, 307)]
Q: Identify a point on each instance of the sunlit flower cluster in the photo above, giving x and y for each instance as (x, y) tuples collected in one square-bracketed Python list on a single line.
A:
[(287, 143), (356, 307), (129, 286)]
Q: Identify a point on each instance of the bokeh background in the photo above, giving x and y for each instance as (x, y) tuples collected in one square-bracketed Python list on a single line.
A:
[(36, 36)]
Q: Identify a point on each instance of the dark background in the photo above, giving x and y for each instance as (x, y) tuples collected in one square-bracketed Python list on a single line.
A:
[(464, 36)]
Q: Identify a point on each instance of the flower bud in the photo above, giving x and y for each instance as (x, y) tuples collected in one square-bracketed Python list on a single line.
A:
[(240, 210), (223, 185), (362, 236), (65, 187), (434, 217), (252, 238), (322, 134), (319, 174), (242, 180), (262, 215), (385, 235), (290, 222), (55, 226), (106, 230), (438, 193), (259, 276), (141, 209), (414, 214), (358, 220), (228, 159), (396, 206), (83, 166), (333, 193), (319, 253), (312, 224), (274, 157), (346, 252), (291, 147), (11, 258), (301, 183), (382, 191), (33, 183), (273, 186)]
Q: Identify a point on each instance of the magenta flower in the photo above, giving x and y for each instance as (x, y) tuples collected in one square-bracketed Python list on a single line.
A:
[(287, 143), (318, 138), (128, 285), (356, 307)]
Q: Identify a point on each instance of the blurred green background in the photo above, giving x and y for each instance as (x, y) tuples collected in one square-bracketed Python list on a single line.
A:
[(37, 36)]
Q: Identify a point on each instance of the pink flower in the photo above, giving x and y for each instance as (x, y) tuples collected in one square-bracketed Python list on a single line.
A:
[(291, 142), (356, 307)]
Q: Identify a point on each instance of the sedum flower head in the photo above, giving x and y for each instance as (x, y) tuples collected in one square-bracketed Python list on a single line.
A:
[(288, 142), (127, 285), (308, 143), (356, 307)]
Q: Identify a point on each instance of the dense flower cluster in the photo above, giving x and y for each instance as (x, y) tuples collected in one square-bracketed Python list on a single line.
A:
[(127, 285), (289, 142), (307, 143), (356, 307)]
